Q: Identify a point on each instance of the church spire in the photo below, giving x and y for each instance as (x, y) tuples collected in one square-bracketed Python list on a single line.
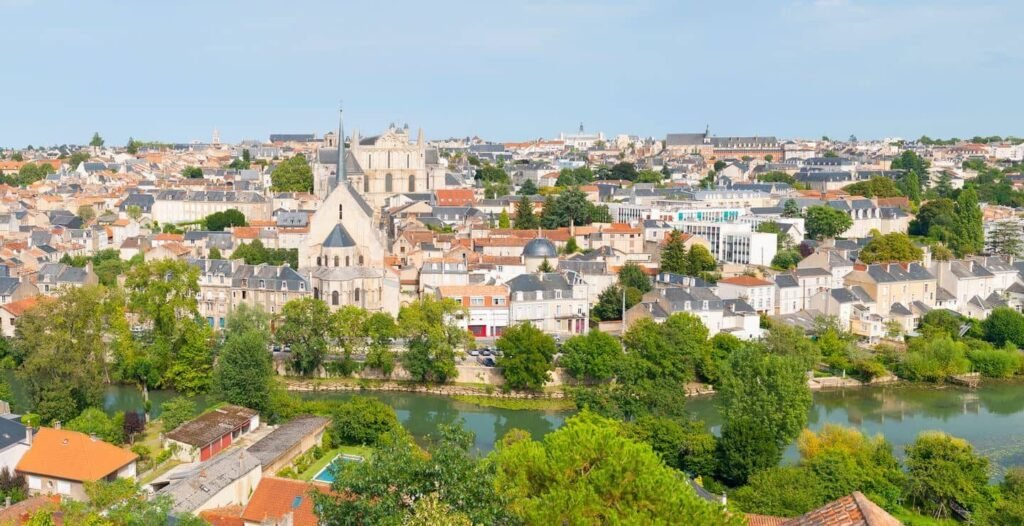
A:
[(340, 171)]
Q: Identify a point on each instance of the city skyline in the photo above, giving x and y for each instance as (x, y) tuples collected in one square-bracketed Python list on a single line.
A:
[(793, 69)]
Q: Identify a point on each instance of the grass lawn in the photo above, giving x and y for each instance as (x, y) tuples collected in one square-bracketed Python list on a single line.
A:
[(315, 467)]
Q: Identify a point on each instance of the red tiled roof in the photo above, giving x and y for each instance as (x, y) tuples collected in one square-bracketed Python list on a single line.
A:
[(764, 520), (275, 497)]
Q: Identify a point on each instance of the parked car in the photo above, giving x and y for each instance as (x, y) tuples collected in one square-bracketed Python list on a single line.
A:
[(474, 352), (488, 362), (485, 352)]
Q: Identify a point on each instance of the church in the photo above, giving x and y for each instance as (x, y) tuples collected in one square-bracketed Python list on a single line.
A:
[(343, 254)]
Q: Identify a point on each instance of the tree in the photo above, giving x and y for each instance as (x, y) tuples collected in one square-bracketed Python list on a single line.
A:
[(610, 302), (134, 212), (699, 259), (527, 357), (776, 177), (877, 186), (588, 472), (214, 253), (503, 219), (631, 275), (786, 259), (943, 471), (791, 209), (673, 254), (569, 207), (528, 188), (192, 172), (175, 412), (571, 247), (93, 421), (87, 213), (624, 171), (970, 236), (545, 266), (933, 359), (492, 174), (164, 294), (593, 356), (910, 185), (305, 326), (1004, 325), (134, 425), (1011, 508), (244, 374), (292, 175), (218, 221), (771, 227), (787, 491), (525, 218), (381, 329), (764, 400), (843, 460), (390, 485), (96, 141), (362, 420), (892, 247), (826, 222), (132, 147), (65, 342), (433, 338), (686, 445), (936, 219), (1005, 238)]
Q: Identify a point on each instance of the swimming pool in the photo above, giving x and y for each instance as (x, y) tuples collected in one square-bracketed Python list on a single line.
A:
[(325, 475)]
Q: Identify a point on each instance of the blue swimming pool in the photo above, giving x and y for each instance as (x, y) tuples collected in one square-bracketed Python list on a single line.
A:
[(327, 475)]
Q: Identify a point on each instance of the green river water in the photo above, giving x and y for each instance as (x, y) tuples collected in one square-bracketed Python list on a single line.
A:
[(991, 417)]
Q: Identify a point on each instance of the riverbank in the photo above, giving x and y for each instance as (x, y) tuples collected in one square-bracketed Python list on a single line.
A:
[(299, 384), (519, 404)]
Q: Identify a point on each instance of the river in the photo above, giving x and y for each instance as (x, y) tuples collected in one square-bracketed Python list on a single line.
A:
[(991, 417)]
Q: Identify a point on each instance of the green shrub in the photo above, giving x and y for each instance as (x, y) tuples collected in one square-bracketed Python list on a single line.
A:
[(869, 369), (995, 363)]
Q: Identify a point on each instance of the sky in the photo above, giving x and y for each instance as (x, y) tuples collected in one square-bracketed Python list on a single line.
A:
[(509, 70)]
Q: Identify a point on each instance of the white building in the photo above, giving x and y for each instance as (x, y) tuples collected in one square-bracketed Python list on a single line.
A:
[(734, 242), (758, 293)]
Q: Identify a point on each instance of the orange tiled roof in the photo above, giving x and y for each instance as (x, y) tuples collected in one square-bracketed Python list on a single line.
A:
[(245, 232), (21, 512), (275, 497), (169, 237), (745, 281), (70, 455), (226, 516), (19, 307), (472, 290), (764, 520)]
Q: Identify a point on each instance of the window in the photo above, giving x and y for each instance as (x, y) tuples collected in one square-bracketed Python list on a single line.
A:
[(63, 487), (499, 300), (360, 260), (35, 482), (337, 261), (339, 212), (243, 294), (316, 292), (358, 293), (318, 261), (558, 294), (476, 301), (263, 284), (334, 298), (366, 184), (412, 183), (540, 294), (347, 261), (388, 183)]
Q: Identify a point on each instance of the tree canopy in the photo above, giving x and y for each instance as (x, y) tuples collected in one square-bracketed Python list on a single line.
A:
[(826, 222), (292, 175), (896, 246)]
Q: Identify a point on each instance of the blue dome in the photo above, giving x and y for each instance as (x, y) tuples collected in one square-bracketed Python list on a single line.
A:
[(540, 248)]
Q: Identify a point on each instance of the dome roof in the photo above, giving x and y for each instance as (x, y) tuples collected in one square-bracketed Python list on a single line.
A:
[(540, 248)]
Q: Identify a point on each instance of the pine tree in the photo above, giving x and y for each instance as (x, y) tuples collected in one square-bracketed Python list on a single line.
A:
[(791, 209), (673, 255), (1005, 239), (525, 218), (132, 147), (970, 235), (545, 266), (503, 220)]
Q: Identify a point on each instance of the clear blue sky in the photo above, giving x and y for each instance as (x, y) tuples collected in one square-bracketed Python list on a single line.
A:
[(508, 70)]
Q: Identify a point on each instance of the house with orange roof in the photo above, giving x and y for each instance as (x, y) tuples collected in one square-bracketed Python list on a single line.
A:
[(852, 510), (168, 250), (12, 312), (60, 462), (283, 502), (757, 292), (455, 197)]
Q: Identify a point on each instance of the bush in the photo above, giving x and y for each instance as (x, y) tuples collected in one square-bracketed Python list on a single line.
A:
[(94, 421), (869, 369), (176, 411), (995, 363), (361, 421), (934, 359)]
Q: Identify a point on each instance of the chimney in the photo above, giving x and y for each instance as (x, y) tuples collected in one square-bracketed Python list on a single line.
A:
[(28, 435), (56, 424)]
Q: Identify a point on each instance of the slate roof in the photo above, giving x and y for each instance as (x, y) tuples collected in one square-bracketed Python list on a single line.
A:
[(339, 238), (843, 295), (11, 432), (281, 440), (195, 487), (783, 281), (546, 282), (329, 156)]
